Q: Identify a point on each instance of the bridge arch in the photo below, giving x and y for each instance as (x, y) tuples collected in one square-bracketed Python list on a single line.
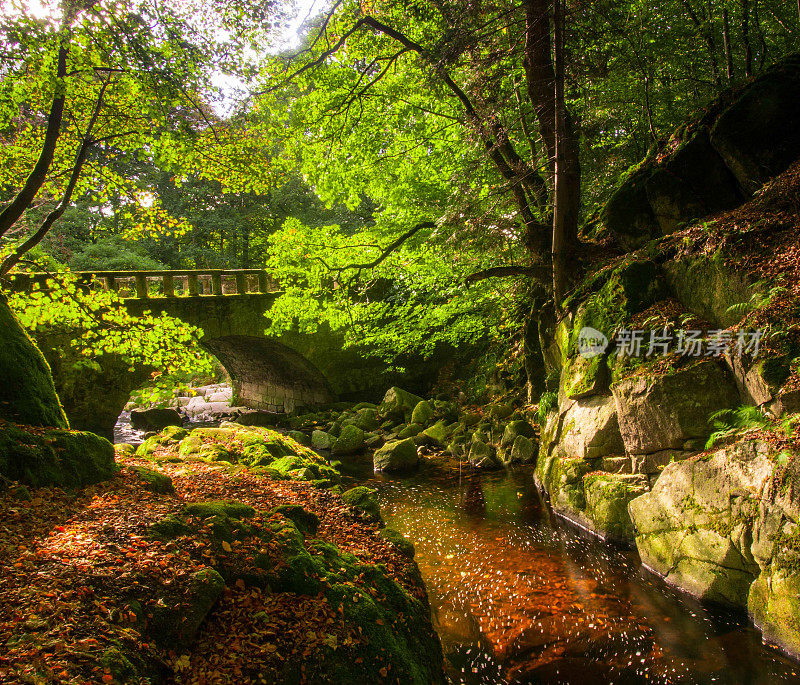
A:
[(230, 306)]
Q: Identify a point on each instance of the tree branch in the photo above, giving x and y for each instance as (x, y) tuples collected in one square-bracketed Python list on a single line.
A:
[(11, 214), (537, 273), (391, 247)]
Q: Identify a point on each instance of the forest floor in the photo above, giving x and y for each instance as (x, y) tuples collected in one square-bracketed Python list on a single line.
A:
[(68, 561)]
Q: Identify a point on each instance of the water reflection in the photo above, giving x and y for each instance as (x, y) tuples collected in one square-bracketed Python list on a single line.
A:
[(518, 597)]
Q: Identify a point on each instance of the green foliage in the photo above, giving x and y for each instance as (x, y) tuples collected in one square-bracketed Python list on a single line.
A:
[(95, 323), (730, 422), (757, 301), (548, 401)]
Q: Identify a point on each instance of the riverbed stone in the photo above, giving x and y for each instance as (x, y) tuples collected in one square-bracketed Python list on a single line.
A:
[(399, 403), (514, 429), (423, 413), (400, 455), (364, 501), (350, 441), (523, 451), (483, 456), (437, 434), (662, 412), (320, 440), (155, 419), (409, 430)]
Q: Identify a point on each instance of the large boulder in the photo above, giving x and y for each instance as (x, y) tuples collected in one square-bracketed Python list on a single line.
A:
[(589, 429), (483, 456), (671, 411), (399, 403), (155, 419), (68, 459), (695, 526), (27, 393), (607, 498), (350, 441), (758, 134), (400, 455)]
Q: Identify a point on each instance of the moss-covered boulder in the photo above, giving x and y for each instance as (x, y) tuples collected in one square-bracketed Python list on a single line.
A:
[(515, 428), (758, 134), (398, 540), (43, 457), (229, 508), (695, 526), (176, 619), (438, 434), (399, 455), (482, 455), (307, 522), (350, 441), (589, 428), (423, 413), (153, 480), (27, 393), (363, 500), (607, 498), (523, 451), (320, 440), (669, 410), (399, 403)]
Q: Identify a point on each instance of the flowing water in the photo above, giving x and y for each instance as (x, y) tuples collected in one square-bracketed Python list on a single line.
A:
[(517, 596)]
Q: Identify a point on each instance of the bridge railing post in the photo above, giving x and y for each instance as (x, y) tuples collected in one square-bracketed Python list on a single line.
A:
[(216, 283), (241, 283), (191, 285), (168, 281), (263, 283), (141, 286)]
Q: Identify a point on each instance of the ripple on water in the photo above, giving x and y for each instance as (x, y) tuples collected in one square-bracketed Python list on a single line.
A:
[(518, 597)]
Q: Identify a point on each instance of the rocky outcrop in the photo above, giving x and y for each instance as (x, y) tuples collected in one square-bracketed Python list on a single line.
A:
[(667, 414), (714, 162), (724, 527)]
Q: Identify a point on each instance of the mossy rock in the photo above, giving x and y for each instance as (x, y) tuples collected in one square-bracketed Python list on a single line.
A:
[(363, 500), (231, 508), (422, 413), (27, 393), (169, 528), (306, 521), (403, 545), (320, 440), (438, 434), (607, 497), (399, 403), (399, 455), (350, 441), (68, 459), (176, 620), (299, 437), (409, 430), (153, 480)]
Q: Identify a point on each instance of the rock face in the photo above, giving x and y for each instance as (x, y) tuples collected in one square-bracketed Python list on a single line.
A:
[(27, 393), (670, 410), (589, 429), (400, 455), (155, 419), (715, 162), (724, 527)]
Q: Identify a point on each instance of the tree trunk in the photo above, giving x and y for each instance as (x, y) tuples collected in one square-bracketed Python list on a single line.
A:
[(546, 91), (726, 39), (748, 50), (23, 199)]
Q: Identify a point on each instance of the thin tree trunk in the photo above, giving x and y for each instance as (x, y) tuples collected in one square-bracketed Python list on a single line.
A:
[(726, 39), (23, 199), (80, 158), (748, 49), (560, 239)]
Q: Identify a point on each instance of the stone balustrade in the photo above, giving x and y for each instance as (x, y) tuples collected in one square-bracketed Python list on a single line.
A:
[(177, 283)]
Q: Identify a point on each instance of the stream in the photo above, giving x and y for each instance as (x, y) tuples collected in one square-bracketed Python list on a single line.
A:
[(518, 596)]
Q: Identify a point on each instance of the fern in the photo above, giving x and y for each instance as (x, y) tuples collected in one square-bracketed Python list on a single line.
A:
[(547, 401), (729, 422), (757, 301)]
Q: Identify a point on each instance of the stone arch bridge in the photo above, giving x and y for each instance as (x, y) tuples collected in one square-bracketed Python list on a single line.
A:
[(230, 307)]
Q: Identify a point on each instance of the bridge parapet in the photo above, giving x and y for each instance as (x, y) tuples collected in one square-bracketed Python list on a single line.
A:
[(175, 283)]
